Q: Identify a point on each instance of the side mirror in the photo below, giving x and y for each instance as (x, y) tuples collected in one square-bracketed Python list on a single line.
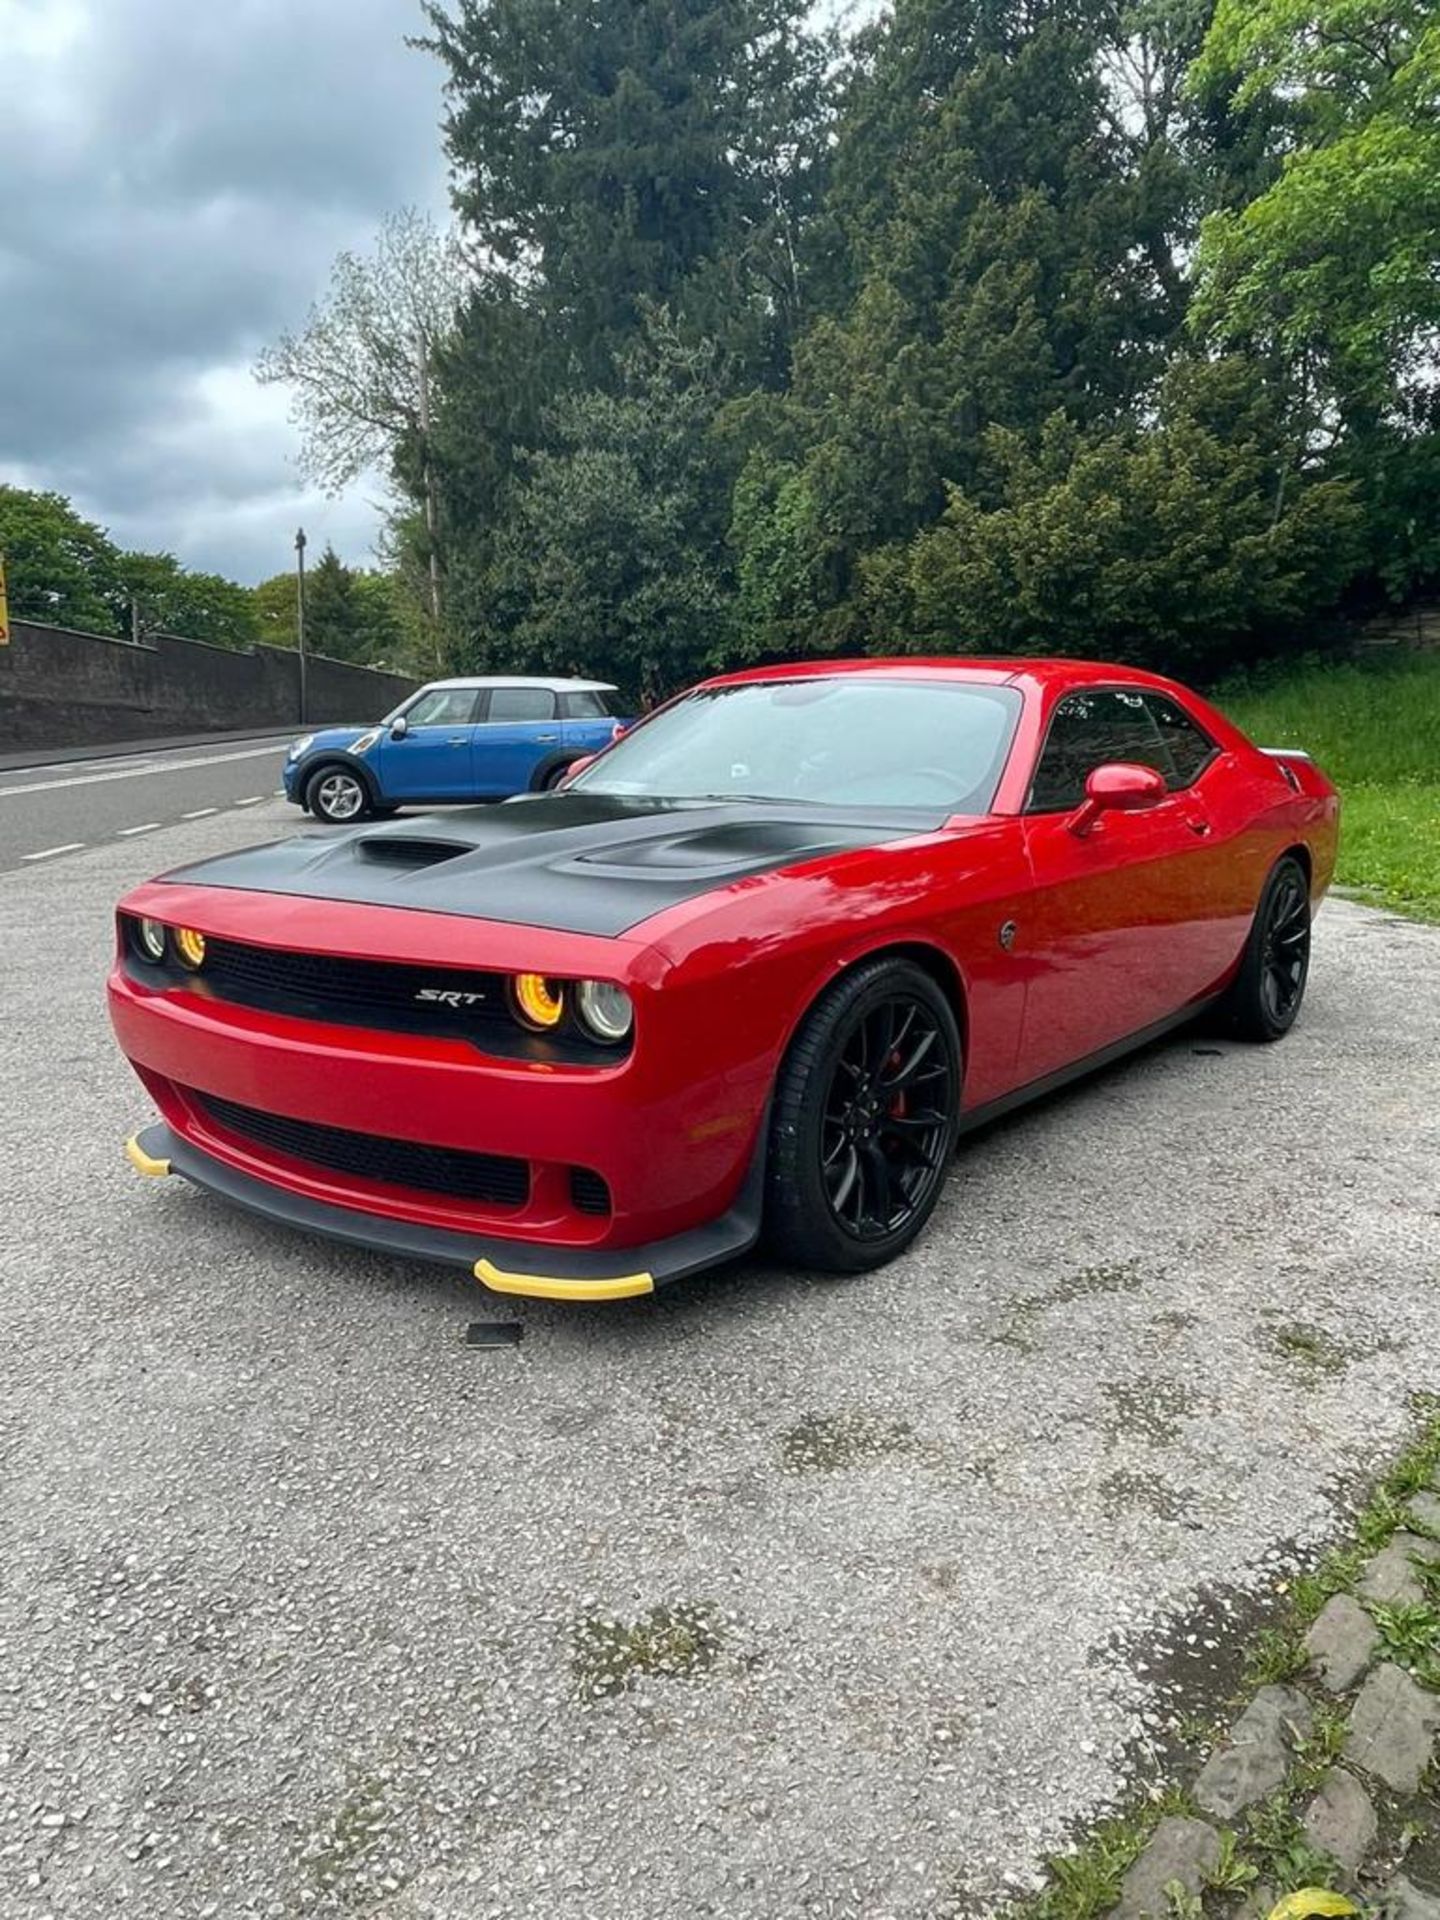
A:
[(575, 766), (399, 728), (1120, 787)]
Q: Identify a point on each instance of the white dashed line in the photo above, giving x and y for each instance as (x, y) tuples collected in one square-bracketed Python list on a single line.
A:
[(149, 827), (49, 853), (200, 813), (255, 800)]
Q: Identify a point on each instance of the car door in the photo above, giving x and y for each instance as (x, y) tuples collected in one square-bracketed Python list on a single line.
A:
[(519, 728), (1125, 927), (430, 760), (587, 717)]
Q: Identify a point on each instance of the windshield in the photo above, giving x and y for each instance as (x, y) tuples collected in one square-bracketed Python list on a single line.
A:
[(844, 740)]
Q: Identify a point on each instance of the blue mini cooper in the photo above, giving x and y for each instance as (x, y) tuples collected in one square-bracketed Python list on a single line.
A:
[(453, 741)]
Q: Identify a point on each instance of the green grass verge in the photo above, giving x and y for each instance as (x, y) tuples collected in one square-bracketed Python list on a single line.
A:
[(1375, 729)]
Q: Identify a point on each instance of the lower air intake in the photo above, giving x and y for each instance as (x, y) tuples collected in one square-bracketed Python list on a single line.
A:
[(491, 1177)]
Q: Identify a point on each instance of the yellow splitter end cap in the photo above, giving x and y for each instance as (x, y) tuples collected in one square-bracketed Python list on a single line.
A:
[(540, 1286), (143, 1162)]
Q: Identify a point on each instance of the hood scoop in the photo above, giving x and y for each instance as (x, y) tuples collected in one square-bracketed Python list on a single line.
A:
[(409, 851), (733, 848)]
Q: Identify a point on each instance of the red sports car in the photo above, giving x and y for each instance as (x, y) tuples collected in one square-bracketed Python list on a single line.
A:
[(753, 971)]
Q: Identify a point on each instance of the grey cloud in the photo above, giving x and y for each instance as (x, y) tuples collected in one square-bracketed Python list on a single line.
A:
[(175, 178)]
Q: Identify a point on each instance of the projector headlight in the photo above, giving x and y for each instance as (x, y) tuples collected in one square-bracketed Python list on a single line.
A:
[(150, 940), (606, 1011)]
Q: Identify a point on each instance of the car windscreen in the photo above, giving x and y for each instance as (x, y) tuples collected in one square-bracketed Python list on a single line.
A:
[(844, 740)]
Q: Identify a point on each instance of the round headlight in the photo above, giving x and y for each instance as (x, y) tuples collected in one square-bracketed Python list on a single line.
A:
[(150, 939), (190, 946), (605, 1010), (539, 1002)]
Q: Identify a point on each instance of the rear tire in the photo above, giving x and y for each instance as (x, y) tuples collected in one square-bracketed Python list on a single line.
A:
[(337, 796), (864, 1120), (1265, 998), (552, 776)]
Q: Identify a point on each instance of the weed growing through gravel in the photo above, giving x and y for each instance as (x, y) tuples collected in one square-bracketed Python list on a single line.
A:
[(1121, 1276), (1410, 1636), (1276, 1841), (1231, 1872), (608, 1656), (829, 1442), (1310, 1350)]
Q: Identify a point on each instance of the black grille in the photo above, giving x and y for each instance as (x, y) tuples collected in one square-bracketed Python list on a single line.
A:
[(588, 1192), (369, 993), (492, 1177)]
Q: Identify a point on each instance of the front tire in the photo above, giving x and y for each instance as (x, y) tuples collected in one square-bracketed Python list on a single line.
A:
[(864, 1120), (1264, 1000), (337, 796)]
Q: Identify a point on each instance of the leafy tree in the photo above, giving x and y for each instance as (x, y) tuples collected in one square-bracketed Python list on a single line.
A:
[(334, 620), (1154, 544), (616, 558), (274, 604), (360, 369), (59, 568), (153, 593), (1336, 265)]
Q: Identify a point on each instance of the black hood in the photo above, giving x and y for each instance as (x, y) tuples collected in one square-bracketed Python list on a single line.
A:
[(574, 862)]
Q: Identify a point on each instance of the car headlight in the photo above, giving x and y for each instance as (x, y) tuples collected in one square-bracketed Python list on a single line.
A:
[(302, 745), (150, 940), (606, 1011), (539, 1003), (190, 945)]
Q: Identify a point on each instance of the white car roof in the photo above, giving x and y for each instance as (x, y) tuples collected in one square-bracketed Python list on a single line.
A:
[(525, 680)]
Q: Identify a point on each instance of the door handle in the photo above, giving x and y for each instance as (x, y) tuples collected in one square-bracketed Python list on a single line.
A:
[(457, 740), (1198, 825), (546, 738)]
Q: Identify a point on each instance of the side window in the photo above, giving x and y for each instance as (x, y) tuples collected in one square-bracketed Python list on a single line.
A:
[(1190, 749), (587, 704), (1089, 730), (521, 703), (443, 707)]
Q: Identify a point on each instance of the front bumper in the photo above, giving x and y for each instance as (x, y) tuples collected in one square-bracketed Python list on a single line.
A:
[(504, 1266)]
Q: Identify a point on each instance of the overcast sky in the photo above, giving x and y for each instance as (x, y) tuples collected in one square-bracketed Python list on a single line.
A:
[(176, 177)]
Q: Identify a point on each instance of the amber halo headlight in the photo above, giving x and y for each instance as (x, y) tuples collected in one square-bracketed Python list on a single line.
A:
[(606, 1011), (150, 941), (190, 946), (539, 1003)]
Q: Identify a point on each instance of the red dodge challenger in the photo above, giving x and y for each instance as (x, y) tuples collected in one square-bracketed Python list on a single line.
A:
[(752, 972)]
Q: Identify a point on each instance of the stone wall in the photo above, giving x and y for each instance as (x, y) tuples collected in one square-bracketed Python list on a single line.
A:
[(59, 688)]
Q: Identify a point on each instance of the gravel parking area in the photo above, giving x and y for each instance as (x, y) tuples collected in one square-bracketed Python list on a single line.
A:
[(765, 1597)]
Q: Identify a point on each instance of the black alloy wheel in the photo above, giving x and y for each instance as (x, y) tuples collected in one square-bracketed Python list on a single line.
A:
[(864, 1120), (1265, 998)]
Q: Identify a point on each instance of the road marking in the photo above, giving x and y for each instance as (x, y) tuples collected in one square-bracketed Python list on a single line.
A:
[(255, 800), (134, 773), (149, 827), (200, 813), (49, 853)]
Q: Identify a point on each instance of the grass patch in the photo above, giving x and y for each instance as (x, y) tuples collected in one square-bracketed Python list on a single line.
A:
[(1372, 726), (609, 1656)]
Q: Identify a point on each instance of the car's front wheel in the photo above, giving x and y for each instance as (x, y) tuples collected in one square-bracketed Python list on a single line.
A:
[(337, 796), (864, 1120)]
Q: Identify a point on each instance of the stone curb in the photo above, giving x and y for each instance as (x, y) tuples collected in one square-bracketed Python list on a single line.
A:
[(1391, 1738)]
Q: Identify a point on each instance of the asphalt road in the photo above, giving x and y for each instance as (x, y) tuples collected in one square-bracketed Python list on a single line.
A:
[(308, 1608), (48, 813)]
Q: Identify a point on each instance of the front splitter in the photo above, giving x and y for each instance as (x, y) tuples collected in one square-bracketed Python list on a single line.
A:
[(537, 1271)]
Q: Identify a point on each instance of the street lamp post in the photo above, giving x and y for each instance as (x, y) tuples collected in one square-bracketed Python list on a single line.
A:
[(300, 619)]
